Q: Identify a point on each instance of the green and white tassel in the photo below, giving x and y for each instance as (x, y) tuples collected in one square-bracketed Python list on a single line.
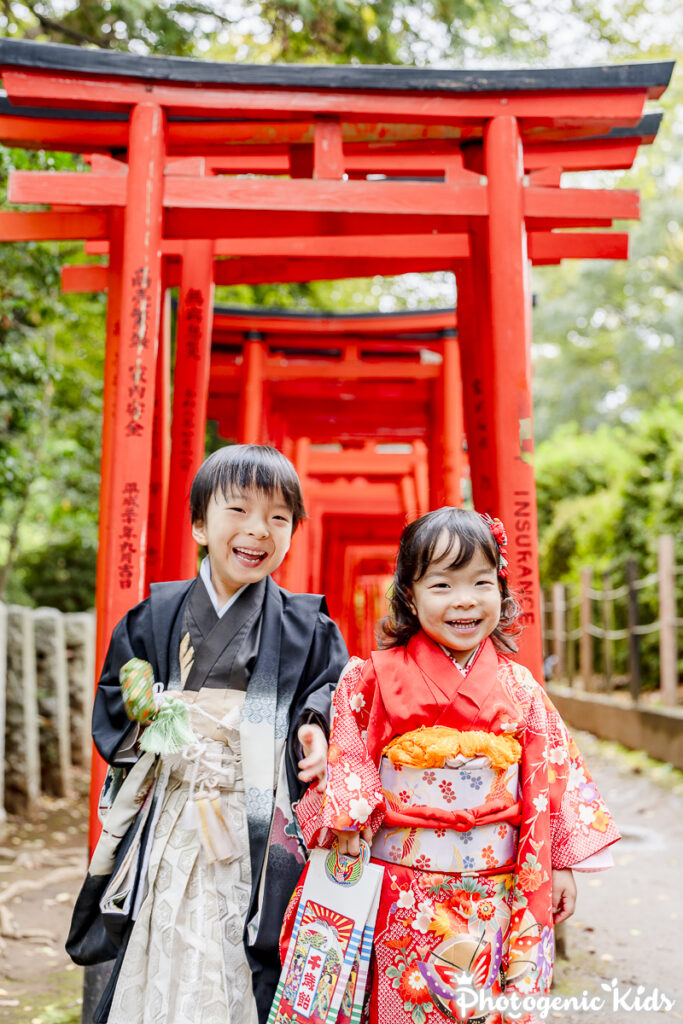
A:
[(170, 729)]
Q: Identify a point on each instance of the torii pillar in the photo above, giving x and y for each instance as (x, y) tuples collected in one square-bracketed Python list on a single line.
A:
[(494, 317), (129, 411)]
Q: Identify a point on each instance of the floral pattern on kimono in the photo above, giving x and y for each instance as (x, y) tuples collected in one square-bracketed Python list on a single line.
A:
[(494, 923)]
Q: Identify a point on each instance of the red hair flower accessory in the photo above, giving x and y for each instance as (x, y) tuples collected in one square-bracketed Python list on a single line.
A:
[(500, 536)]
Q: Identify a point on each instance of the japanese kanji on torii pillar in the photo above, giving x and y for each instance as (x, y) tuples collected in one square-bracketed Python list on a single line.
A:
[(201, 174)]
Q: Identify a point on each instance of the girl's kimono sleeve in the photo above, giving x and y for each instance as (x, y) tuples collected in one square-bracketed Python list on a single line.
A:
[(580, 824), (353, 798)]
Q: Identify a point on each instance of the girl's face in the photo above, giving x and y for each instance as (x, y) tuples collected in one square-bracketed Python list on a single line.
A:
[(458, 608)]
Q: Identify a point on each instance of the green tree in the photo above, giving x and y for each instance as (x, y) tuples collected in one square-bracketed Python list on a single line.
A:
[(607, 333), (607, 496), (173, 28), (330, 31), (51, 351)]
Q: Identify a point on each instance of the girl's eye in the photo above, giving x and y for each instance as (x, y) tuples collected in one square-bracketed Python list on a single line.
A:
[(438, 586)]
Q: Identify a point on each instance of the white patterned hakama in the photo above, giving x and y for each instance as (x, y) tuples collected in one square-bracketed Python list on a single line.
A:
[(185, 962)]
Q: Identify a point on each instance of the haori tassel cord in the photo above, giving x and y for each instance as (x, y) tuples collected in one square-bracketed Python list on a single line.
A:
[(167, 725)]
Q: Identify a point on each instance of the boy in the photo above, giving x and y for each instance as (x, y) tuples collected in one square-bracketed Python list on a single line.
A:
[(256, 666)]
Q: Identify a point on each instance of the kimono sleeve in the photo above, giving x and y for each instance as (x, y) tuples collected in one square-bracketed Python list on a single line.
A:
[(353, 799), (580, 823), (112, 729), (325, 662)]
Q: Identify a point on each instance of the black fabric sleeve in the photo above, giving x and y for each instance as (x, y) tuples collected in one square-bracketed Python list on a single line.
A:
[(130, 639), (313, 701)]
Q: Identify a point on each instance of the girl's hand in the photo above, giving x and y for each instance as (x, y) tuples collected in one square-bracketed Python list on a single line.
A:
[(313, 764), (349, 842), (564, 895)]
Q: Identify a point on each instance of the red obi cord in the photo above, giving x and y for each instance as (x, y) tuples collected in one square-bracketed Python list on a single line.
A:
[(421, 816)]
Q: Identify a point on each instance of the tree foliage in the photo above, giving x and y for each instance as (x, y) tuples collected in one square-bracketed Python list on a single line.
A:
[(171, 28), (607, 496), (607, 333), (329, 31), (51, 357)]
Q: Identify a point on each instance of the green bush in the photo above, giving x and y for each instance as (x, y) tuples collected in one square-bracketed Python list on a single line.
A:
[(60, 575)]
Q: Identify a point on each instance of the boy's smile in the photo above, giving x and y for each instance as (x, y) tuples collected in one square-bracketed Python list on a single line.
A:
[(458, 608), (247, 535), (249, 557)]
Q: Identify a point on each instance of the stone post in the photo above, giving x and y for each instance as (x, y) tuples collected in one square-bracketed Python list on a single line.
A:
[(22, 752), (53, 701), (80, 659)]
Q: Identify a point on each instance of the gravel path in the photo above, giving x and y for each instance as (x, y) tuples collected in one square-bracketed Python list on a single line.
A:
[(628, 920)]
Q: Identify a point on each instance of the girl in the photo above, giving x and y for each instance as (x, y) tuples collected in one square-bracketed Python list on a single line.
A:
[(450, 758)]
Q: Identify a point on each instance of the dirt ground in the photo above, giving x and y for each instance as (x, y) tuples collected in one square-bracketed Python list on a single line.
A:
[(42, 865), (627, 924)]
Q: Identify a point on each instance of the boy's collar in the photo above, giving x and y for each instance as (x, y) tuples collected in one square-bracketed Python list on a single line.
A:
[(205, 576)]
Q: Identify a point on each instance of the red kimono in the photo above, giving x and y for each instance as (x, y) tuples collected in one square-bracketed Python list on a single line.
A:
[(468, 818)]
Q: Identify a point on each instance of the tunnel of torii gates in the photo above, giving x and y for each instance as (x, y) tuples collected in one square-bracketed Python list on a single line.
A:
[(204, 174)]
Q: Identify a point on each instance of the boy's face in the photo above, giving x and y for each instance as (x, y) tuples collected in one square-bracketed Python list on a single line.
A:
[(247, 534)]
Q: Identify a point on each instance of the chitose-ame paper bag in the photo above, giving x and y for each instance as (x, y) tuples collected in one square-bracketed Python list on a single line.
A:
[(325, 972)]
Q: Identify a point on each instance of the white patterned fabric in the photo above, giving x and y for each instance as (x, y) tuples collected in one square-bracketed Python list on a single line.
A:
[(469, 783), (185, 962)]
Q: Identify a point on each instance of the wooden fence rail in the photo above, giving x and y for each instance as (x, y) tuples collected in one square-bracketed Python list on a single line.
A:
[(47, 665), (563, 640)]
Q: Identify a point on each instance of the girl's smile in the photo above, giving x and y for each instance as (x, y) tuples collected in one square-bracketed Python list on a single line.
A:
[(458, 608)]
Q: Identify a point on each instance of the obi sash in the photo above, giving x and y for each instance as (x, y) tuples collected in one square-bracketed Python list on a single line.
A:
[(460, 818)]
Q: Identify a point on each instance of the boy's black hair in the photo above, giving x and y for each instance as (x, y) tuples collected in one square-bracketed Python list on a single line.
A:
[(468, 532), (244, 467)]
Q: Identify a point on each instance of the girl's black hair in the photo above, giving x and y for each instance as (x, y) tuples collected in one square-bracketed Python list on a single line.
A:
[(467, 532), (245, 467)]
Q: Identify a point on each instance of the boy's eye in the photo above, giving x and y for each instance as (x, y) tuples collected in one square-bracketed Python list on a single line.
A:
[(282, 519), (235, 508)]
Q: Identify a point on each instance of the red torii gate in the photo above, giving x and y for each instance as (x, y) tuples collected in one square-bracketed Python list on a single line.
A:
[(492, 146)]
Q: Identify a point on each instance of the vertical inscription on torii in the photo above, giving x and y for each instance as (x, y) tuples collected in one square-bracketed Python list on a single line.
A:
[(139, 341), (137, 385), (524, 556), (192, 336)]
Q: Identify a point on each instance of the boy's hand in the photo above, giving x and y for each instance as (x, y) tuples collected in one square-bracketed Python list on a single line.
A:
[(313, 764), (564, 895), (349, 842)]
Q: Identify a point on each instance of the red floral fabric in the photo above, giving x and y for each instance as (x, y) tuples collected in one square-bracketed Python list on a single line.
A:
[(497, 928), (353, 797)]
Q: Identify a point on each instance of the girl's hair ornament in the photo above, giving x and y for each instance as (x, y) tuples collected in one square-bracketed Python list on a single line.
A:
[(500, 536)]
